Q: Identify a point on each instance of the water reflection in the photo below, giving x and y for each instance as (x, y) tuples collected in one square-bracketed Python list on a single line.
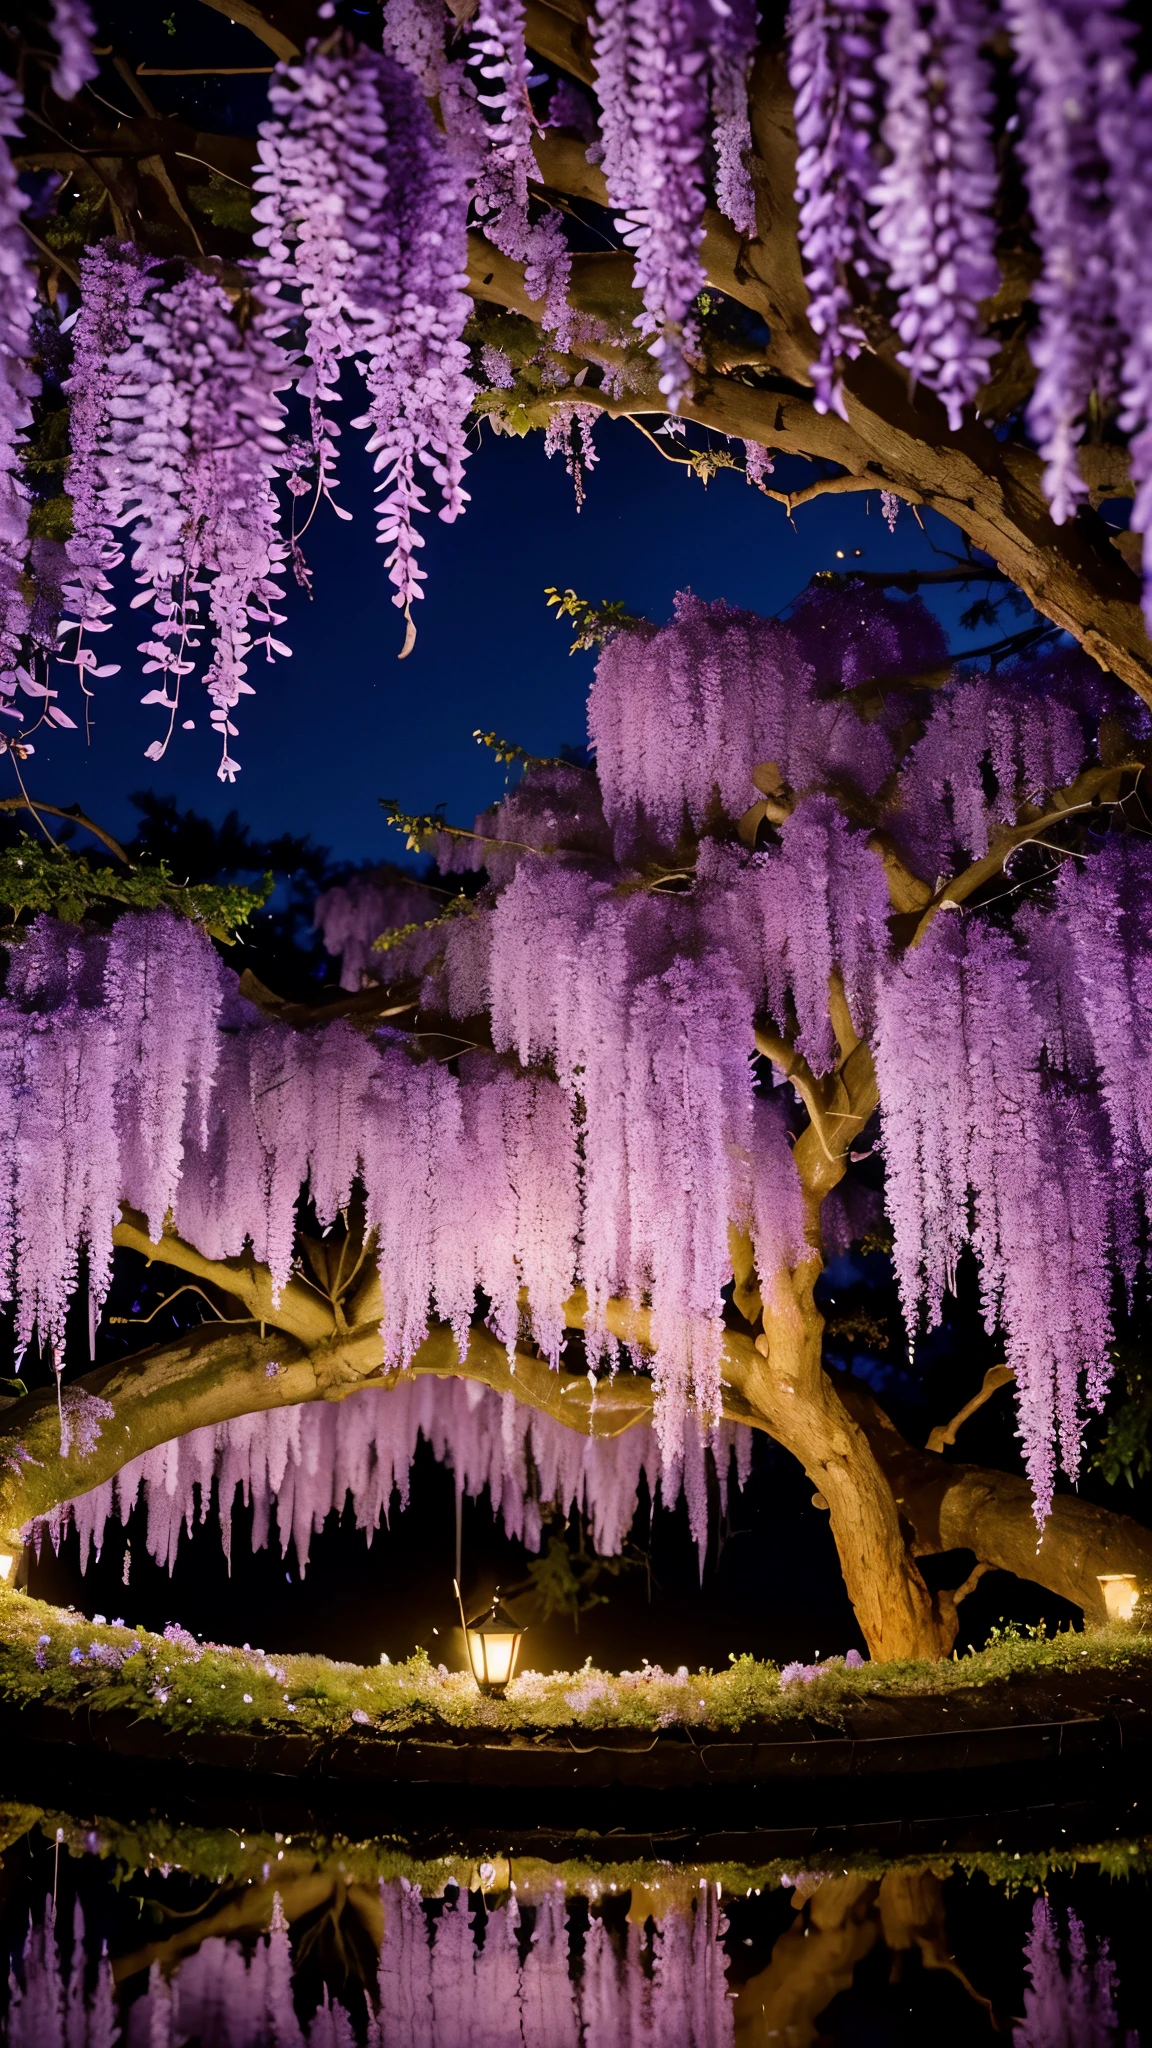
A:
[(155, 1936)]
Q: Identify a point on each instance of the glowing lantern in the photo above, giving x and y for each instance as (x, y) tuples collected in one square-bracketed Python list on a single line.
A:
[(8, 1563), (1121, 1592), (493, 1641)]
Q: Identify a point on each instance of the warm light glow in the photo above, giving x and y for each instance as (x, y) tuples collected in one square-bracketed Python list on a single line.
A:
[(492, 1654), (7, 1564), (493, 1643), (1121, 1592)]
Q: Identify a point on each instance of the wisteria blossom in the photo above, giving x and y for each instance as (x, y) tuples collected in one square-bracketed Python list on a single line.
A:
[(296, 1466), (569, 432), (500, 195), (833, 65), (193, 445), (934, 221), (362, 228), (1062, 47), (1126, 134), (618, 1129), (652, 82), (115, 284), (18, 387), (414, 35), (74, 32), (733, 37)]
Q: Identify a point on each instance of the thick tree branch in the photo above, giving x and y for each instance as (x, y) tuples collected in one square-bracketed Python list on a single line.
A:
[(1102, 785), (969, 1507), (300, 1312), (283, 27)]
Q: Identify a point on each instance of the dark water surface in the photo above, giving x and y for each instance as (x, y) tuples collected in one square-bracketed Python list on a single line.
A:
[(156, 1931)]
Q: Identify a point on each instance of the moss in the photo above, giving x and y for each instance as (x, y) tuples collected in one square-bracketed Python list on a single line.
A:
[(218, 1687)]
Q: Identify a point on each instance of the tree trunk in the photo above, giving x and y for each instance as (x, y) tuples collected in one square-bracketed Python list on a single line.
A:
[(803, 1410)]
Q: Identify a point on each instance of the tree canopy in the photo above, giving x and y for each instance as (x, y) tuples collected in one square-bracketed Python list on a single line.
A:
[(833, 925), (907, 243)]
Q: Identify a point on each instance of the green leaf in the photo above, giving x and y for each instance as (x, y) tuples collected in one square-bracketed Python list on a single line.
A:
[(594, 623), (35, 879)]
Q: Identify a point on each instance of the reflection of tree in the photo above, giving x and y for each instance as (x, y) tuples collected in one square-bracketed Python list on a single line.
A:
[(511, 1965), (440, 1973), (838, 1922)]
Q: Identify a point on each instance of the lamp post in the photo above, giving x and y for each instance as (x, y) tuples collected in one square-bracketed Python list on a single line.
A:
[(493, 1641), (1121, 1592)]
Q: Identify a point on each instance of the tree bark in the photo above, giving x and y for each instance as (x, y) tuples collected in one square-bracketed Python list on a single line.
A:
[(971, 1507)]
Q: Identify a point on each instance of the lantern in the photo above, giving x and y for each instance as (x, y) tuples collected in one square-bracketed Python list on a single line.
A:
[(8, 1563), (493, 1640), (1121, 1592)]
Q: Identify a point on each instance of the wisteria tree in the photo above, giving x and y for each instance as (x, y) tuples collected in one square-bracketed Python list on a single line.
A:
[(819, 894), (585, 1144)]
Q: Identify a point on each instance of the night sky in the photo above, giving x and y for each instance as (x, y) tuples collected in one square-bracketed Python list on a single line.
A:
[(344, 723)]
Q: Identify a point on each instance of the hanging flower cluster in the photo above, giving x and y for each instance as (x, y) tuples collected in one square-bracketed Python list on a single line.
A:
[(179, 438), (1062, 48), (362, 231), (833, 66), (74, 32), (1126, 134), (115, 283), (653, 59), (296, 1466), (18, 387), (500, 195), (933, 219)]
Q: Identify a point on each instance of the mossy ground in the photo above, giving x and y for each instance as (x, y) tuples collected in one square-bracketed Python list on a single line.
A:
[(58, 1658)]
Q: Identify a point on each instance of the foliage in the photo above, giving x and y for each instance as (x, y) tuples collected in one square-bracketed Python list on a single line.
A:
[(225, 203), (51, 518), (564, 1579), (459, 905), (1125, 1447), (194, 1687), (593, 624), (35, 878)]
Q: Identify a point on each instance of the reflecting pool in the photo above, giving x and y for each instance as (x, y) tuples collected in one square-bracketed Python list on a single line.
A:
[(155, 1932)]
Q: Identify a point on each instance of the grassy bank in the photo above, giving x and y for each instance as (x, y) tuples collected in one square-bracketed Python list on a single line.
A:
[(57, 1657)]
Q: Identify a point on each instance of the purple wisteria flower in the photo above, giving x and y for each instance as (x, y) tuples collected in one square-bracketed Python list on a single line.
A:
[(934, 197), (833, 64)]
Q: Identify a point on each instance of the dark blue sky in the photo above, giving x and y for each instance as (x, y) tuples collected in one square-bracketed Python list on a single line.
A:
[(344, 722)]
